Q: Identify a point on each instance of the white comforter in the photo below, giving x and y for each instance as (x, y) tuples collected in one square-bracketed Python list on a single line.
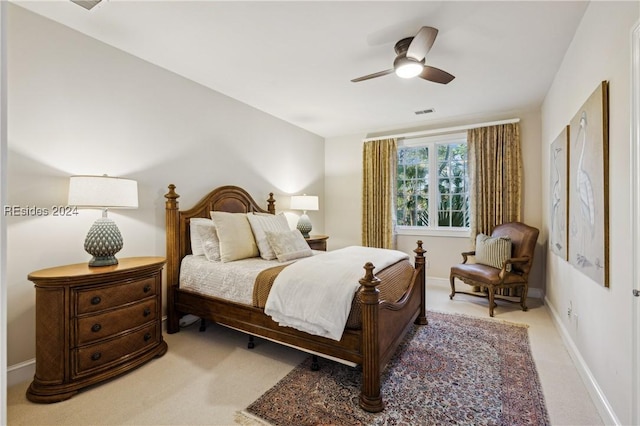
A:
[(314, 295)]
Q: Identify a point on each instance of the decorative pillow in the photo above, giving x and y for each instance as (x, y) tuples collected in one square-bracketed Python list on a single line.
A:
[(288, 245), (202, 229), (210, 242), (261, 223), (236, 238), (493, 251)]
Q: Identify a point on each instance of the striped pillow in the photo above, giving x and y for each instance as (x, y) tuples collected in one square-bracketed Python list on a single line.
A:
[(493, 251), (262, 223)]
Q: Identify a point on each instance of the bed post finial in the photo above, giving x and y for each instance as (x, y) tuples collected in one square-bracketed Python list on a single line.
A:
[(369, 280), (271, 204), (419, 251), (370, 396), (420, 267), (172, 197)]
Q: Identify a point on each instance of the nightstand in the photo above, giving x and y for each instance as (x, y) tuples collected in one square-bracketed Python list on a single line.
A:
[(317, 242), (94, 323)]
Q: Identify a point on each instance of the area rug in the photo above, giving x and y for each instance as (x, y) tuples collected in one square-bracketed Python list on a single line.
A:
[(457, 370)]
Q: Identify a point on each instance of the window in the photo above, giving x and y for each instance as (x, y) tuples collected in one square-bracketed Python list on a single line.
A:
[(432, 183)]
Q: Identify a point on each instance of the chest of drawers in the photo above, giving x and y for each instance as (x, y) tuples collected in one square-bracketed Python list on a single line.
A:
[(94, 323)]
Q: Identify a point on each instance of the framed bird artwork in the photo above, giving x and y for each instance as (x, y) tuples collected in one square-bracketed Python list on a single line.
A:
[(589, 187)]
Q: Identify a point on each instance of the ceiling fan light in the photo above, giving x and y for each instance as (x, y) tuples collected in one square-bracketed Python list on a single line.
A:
[(407, 68)]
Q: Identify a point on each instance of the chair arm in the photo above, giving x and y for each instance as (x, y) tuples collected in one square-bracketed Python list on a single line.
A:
[(511, 261), (466, 254), (523, 259)]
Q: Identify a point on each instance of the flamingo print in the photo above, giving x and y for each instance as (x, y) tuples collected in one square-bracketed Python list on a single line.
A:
[(585, 192), (556, 194)]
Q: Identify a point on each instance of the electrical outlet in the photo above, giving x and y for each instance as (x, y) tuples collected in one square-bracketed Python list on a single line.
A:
[(569, 310), (426, 263)]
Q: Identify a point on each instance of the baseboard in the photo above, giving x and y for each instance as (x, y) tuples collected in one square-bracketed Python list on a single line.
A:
[(535, 293), (597, 396), (438, 281), (22, 372)]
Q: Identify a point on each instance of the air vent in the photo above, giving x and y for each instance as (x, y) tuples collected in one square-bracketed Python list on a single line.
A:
[(424, 111)]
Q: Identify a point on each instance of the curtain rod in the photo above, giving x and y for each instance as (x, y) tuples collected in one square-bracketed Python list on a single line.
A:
[(442, 131)]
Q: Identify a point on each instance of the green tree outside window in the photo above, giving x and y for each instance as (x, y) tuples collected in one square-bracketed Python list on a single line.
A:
[(449, 184)]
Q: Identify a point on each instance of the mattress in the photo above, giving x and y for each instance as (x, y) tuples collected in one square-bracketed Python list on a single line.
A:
[(226, 280), (235, 281)]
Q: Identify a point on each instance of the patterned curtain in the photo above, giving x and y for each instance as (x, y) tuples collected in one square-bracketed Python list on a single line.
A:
[(495, 170), (380, 160), (495, 167)]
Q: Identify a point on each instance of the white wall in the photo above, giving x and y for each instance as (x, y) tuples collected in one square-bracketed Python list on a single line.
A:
[(600, 330), (3, 227), (343, 185), (78, 106)]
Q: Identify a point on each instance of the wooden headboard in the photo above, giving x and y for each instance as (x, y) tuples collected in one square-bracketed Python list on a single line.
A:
[(228, 198)]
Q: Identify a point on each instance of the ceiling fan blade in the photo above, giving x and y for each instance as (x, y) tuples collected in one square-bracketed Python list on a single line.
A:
[(436, 75), (374, 75), (87, 4), (421, 43)]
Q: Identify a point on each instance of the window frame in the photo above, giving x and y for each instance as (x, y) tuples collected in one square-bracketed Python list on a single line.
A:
[(432, 142)]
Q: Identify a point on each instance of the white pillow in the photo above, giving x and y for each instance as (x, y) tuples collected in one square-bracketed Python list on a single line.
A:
[(493, 251), (288, 245), (200, 229), (236, 238), (261, 223), (210, 242)]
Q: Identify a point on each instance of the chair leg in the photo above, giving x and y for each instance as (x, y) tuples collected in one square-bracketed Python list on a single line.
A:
[(452, 279), (523, 297), (492, 303)]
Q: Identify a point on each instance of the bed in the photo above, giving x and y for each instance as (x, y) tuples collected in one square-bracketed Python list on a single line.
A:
[(381, 324)]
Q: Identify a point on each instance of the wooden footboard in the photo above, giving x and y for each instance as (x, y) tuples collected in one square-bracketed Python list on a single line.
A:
[(384, 324)]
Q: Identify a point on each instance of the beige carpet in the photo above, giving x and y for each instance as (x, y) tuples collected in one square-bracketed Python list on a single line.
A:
[(208, 378)]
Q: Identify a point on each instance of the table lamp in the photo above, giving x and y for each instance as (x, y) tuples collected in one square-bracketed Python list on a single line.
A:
[(304, 203), (103, 192)]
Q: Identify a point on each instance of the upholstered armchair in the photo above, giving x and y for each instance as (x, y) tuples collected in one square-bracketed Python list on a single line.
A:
[(502, 260)]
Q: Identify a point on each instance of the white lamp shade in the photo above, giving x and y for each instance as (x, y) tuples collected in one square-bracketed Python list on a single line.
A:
[(103, 192), (304, 202)]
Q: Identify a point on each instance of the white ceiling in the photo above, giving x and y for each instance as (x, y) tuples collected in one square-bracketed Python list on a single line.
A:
[(295, 59)]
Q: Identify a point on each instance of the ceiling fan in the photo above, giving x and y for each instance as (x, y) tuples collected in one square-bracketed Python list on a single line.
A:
[(87, 4), (410, 59)]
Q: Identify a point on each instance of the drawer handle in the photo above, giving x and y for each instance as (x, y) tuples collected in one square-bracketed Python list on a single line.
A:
[(147, 312), (96, 327), (147, 337), (95, 300), (147, 288), (96, 356)]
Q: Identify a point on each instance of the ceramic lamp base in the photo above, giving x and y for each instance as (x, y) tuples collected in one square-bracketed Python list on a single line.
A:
[(103, 261), (304, 225), (103, 242)]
